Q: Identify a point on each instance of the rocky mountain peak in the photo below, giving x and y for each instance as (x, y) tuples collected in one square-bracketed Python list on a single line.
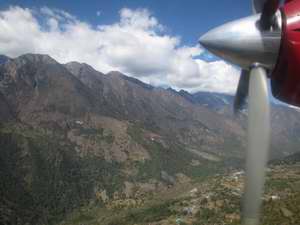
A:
[(79, 69), (35, 59)]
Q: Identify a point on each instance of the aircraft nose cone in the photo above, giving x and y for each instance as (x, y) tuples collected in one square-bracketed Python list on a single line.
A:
[(208, 41), (242, 43)]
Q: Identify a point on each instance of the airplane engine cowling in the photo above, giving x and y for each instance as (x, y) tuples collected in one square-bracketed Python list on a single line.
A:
[(285, 78)]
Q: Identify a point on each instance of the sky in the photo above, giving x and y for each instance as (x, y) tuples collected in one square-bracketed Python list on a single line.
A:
[(154, 41)]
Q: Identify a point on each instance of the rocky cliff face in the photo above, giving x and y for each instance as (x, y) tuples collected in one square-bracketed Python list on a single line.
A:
[(71, 136)]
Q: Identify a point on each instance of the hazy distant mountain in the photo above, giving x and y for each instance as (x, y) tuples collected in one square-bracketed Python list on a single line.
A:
[(71, 135), (3, 59), (211, 100)]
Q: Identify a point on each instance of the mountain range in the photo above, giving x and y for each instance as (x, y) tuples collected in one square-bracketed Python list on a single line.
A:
[(71, 135)]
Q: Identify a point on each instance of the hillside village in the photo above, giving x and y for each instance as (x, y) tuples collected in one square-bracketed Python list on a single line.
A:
[(215, 201)]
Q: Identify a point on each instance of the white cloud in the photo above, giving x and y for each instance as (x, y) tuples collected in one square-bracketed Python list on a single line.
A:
[(136, 45)]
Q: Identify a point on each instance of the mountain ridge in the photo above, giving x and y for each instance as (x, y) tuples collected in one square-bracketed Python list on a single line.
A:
[(73, 136)]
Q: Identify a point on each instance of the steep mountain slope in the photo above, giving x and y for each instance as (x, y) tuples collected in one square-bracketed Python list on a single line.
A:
[(36, 87), (160, 110), (5, 112), (72, 136)]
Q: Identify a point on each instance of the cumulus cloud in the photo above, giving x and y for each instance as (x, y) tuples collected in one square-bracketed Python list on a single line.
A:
[(136, 45)]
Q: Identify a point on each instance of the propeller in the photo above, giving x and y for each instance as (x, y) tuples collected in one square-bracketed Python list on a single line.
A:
[(257, 5), (258, 144), (268, 9), (267, 17), (242, 91), (258, 124), (255, 49)]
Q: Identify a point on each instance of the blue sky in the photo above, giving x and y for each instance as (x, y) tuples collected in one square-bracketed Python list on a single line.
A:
[(188, 19), (154, 41)]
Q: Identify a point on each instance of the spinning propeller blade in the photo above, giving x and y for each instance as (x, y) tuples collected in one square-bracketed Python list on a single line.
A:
[(258, 144), (244, 43)]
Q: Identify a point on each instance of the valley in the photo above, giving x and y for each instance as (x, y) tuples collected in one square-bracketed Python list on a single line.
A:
[(215, 200), (82, 147)]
